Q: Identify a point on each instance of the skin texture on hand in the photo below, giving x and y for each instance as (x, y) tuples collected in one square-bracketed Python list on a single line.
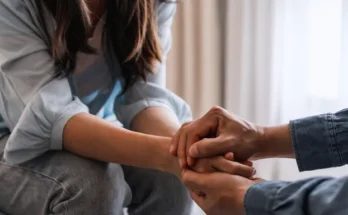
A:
[(218, 193), (216, 133), (210, 165), (219, 132), (164, 123)]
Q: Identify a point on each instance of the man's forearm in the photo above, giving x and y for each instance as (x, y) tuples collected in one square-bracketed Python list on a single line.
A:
[(275, 142)]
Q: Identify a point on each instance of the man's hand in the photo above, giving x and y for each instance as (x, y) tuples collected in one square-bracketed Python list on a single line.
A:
[(218, 193), (216, 133)]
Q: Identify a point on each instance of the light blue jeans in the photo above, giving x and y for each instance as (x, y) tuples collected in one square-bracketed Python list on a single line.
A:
[(63, 183)]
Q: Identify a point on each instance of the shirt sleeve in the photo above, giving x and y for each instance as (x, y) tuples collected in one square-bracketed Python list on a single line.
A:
[(33, 104), (153, 93), (321, 141), (317, 196)]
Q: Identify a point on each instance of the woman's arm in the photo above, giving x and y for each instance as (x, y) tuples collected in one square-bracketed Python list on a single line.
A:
[(92, 137), (41, 111), (157, 121)]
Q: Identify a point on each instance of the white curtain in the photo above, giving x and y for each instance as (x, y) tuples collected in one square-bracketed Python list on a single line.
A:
[(269, 61), (194, 63), (286, 59), (311, 65), (248, 58)]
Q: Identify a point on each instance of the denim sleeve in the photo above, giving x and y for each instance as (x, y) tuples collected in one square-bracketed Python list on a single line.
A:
[(321, 141), (153, 93), (34, 106), (317, 196)]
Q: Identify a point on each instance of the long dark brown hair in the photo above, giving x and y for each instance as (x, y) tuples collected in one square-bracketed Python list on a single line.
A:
[(130, 32)]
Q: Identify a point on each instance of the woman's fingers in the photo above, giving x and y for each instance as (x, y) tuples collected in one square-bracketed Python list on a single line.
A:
[(248, 163), (174, 146), (176, 139), (182, 149), (231, 167), (191, 139), (230, 156)]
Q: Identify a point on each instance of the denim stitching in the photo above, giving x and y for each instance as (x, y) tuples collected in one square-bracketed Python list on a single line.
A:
[(269, 210), (39, 174), (333, 144), (295, 145), (276, 200), (334, 134)]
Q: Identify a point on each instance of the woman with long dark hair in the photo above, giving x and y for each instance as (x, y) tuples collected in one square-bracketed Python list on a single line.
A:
[(75, 75)]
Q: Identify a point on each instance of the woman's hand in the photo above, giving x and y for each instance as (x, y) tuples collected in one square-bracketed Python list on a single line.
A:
[(224, 164), (209, 165), (218, 193)]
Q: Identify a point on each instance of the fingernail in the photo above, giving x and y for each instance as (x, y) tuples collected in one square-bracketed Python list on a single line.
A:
[(193, 151), (171, 148), (254, 172)]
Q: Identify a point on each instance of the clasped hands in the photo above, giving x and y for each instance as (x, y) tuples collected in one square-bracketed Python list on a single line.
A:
[(214, 153)]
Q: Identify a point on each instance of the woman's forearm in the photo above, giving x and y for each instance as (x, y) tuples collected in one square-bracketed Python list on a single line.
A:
[(156, 121), (92, 137)]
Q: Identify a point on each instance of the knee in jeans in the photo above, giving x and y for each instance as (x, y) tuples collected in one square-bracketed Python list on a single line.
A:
[(169, 188), (97, 189)]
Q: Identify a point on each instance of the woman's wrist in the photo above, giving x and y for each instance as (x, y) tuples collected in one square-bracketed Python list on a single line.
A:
[(274, 142), (166, 161)]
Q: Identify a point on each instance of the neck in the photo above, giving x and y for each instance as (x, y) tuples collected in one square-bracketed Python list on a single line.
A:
[(97, 9)]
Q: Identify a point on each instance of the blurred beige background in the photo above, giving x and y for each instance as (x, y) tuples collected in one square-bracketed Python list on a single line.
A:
[(194, 64), (268, 61)]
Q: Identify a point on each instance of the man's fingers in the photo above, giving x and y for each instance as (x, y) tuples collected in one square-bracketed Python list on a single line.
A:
[(199, 199), (194, 180), (227, 166), (209, 147)]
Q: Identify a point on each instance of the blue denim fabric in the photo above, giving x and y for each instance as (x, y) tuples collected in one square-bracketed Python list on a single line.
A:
[(319, 142)]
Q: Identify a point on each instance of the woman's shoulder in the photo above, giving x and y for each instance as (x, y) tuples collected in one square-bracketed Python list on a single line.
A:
[(19, 10), (16, 6), (24, 15), (165, 11)]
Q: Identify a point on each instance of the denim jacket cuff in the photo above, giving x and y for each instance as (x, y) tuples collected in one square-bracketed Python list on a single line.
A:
[(318, 141), (260, 198)]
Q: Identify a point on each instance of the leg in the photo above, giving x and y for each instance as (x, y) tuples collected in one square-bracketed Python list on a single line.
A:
[(156, 193), (62, 183)]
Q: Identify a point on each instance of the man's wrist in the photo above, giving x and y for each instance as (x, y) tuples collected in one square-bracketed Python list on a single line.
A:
[(274, 142)]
